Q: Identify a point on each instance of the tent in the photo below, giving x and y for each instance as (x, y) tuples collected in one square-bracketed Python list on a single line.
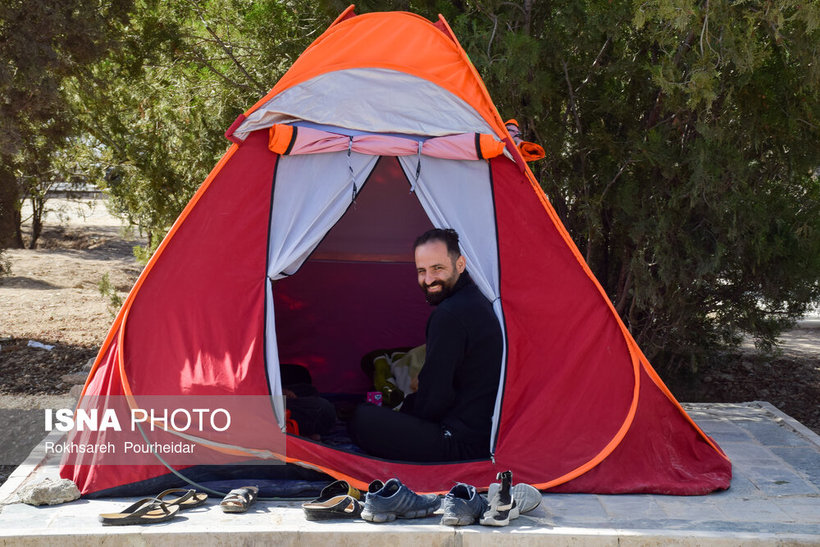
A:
[(297, 249)]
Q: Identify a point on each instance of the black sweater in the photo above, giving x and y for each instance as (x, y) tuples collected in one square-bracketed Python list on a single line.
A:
[(459, 380)]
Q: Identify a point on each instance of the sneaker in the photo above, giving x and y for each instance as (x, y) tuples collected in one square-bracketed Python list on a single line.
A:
[(462, 505), (526, 497), (503, 507), (394, 500)]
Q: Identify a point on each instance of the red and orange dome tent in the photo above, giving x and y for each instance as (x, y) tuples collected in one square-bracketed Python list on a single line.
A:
[(296, 249)]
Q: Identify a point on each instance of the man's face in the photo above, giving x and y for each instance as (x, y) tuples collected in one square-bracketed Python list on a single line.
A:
[(437, 271)]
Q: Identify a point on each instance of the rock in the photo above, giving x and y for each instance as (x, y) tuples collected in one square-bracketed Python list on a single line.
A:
[(49, 492), (90, 364), (76, 378), (75, 392)]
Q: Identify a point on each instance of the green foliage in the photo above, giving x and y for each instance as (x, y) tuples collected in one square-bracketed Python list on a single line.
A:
[(43, 162), (108, 292), (681, 136), (161, 104), (41, 43), (681, 140)]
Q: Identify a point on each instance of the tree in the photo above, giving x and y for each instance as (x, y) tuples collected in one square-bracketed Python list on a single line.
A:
[(41, 43), (161, 104), (681, 136), (44, 162), (681, 140)]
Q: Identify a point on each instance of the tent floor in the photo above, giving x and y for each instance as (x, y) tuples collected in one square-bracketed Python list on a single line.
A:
[(774, 499)]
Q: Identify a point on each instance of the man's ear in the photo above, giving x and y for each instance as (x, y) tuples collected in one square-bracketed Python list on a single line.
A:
[(461, 264)]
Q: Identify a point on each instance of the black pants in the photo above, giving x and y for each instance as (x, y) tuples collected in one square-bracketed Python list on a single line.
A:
[(393, 435)]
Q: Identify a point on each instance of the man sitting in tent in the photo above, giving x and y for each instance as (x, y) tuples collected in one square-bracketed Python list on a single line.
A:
[(449, 417)]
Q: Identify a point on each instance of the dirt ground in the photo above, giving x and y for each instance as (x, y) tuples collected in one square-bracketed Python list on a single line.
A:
[(52, 298), (52, 294)]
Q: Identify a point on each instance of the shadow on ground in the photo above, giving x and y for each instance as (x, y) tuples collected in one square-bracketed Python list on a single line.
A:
[(22, 431), (33, 370)]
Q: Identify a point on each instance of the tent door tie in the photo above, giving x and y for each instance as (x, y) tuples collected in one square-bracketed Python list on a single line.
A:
[(418, 169), (350, 168)]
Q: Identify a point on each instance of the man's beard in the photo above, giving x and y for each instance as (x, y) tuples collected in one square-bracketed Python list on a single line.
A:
[(436, 298)]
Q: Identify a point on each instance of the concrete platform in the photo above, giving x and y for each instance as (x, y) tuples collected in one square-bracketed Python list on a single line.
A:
[(774, 500)]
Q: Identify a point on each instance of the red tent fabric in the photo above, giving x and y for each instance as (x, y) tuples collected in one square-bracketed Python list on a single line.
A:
[(579, 408)]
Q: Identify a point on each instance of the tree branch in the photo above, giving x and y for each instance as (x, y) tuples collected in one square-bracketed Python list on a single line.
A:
[(615, 178), (623, 290), (213, 69), (572, 103), (705, 27), (513, 4), (595, 63), (494, 18), (492, 36), (226, 48), (527, 16), (652, 117)]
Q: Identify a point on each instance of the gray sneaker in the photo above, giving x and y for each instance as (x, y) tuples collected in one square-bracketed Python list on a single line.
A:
[(462, 505), (394, 500), (503, 507), (526, 497)]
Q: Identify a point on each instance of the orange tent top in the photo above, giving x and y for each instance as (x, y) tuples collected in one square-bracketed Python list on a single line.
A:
[(429, 51)]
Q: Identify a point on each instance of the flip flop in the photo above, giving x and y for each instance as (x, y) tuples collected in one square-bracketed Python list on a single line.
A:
[(340, 507), (145, 511), (239, 499), (189, 499), (337, 500)]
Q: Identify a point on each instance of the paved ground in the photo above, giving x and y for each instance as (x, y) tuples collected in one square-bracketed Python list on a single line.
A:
[(774, 500)]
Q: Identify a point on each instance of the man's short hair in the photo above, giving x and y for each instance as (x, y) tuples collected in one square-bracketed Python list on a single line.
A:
[(446, 235)]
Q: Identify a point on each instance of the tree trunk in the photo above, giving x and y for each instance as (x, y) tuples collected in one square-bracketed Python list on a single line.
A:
[(38, 205), (18, 229), (9, 214)]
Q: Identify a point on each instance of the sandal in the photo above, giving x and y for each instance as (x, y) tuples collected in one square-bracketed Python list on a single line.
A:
[(145, 511), (188, 500), (239, 499), (337, 500)]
